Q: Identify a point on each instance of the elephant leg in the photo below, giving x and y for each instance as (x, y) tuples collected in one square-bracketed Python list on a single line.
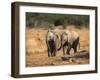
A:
[(54, 53), (49, 49), (49, 53), (68, 49), (55, 50), (75, 44), (75, 48), (64, 52)]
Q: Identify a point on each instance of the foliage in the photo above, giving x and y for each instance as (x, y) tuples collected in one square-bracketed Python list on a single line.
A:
[(48, 20)]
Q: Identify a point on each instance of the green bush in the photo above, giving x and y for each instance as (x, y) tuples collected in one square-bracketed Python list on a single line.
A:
[(47, 19)]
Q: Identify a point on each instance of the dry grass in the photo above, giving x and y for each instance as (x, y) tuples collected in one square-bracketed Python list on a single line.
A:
[(36, 49)]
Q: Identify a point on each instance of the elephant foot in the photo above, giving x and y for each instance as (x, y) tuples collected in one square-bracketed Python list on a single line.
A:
[(49, 55)]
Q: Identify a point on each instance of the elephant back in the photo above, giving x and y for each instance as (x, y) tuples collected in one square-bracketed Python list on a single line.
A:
[(72, 36)]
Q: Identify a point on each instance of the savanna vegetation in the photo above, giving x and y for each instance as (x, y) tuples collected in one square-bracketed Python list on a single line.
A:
[(47, 20)]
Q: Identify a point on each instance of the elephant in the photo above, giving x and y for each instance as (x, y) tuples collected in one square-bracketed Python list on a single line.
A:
[(51, 42), (69, 39)]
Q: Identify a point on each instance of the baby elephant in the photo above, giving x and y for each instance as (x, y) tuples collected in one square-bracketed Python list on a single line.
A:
[(69, 39), (51, 41)]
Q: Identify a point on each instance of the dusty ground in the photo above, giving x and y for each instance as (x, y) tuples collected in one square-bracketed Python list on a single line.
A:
[(36, 49)]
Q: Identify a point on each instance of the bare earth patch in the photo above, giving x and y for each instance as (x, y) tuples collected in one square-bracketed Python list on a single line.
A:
[(36, 49)]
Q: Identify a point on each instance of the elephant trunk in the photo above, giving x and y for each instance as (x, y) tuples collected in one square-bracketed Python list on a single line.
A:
[(60, 46)]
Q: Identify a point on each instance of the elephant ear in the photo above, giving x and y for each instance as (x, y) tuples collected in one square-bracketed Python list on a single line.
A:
[(69, 36), (74, 35)]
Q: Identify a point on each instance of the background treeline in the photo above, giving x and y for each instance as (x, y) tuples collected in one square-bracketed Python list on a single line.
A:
[(48, 20)]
